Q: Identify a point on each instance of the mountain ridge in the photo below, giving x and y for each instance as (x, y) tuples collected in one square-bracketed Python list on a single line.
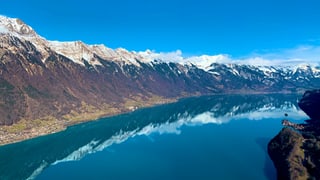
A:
[(22, 30), (50, 83)]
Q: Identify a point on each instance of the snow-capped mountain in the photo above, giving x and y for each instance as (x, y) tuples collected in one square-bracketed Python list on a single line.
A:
[(79, 52), (15, 27), (41, 78)]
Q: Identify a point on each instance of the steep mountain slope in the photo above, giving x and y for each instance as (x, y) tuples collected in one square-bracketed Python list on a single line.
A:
[(58, 77), (63, 82)]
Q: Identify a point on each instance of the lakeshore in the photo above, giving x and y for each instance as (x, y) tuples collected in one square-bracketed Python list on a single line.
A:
[(193, 132), (27, 129)]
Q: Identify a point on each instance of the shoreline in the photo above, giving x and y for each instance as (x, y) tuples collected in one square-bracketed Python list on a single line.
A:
[(29, 129)]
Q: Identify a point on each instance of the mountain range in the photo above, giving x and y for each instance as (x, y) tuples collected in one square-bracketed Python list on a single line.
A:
[(60, 83)]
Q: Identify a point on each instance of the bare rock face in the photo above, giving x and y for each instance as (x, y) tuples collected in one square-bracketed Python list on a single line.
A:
[(310, 104)]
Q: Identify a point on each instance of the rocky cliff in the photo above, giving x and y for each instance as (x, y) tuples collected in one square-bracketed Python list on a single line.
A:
[(296, 152)]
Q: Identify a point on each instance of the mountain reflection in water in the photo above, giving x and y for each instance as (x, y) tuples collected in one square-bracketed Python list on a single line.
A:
[(27, 159)]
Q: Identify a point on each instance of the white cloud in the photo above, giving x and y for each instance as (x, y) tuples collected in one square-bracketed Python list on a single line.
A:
[(305, 53), (174, 56), (205, 61), (286, 57), (202, 61)]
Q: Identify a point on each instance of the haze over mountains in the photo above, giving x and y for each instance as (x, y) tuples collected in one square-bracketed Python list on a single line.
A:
[(41, 79)]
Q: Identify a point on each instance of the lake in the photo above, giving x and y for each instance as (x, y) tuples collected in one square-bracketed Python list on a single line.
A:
[(209, 137)]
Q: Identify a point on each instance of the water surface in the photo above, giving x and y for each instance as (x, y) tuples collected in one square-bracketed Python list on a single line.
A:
[(211, 137)]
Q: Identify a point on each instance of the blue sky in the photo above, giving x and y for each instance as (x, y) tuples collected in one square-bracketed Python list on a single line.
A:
[(238, 28)]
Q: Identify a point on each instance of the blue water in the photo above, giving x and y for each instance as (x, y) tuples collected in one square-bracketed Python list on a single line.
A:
[(212, 137)]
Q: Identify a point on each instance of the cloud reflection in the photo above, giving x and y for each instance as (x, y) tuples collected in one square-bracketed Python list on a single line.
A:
[(78, 141), (185, 119)]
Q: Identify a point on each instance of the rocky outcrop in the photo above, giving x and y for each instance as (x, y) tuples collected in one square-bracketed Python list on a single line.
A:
[(287, 156), (310, 104), (295, 151), (293, 125)]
